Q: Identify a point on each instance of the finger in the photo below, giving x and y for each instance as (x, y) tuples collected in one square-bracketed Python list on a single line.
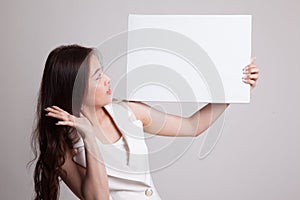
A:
[(249, 81), (65, 117), (252, 71), (66, 123), (252, 76), (59, 113), (71, 118), (49, 109), (251, 65), (253, 58), (61, 110), (58, 116)]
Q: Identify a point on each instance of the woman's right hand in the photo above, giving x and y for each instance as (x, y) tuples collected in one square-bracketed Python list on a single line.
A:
[(85, 127)]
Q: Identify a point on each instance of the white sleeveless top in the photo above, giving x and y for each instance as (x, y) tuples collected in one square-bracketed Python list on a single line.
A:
[(126, 160)]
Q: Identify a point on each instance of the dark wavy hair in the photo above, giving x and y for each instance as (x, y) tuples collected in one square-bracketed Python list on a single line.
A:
[(49, 141)]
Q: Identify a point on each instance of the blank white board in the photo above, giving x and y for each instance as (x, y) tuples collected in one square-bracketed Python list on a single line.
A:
[(188, 58)]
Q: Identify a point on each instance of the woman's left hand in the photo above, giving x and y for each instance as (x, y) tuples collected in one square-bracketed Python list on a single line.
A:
[(251, 73)]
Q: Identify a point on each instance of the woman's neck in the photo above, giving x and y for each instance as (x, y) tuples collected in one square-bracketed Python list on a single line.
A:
[(101, 114), (96, 112)]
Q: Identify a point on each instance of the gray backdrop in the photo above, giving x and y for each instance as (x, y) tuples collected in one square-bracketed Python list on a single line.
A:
[(257, 156)]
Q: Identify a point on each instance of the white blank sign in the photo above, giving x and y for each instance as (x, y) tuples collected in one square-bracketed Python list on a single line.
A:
[(188, 58)]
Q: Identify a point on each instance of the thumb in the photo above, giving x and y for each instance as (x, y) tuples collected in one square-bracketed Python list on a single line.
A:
[(253, 58)]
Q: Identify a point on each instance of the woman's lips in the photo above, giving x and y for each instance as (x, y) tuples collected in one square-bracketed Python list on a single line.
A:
[(109, 91)]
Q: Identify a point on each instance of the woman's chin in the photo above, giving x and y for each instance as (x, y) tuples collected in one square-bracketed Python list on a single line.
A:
[(108, 99)]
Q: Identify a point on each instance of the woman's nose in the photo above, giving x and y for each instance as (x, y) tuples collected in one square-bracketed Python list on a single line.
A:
[(107, 80)]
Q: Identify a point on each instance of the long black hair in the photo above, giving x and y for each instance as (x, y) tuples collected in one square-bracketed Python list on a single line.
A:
[(49, 141)]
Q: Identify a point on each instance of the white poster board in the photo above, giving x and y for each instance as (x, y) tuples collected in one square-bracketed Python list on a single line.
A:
[(188, 58)]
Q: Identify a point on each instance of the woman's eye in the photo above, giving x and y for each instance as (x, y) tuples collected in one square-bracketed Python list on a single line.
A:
[(99, 76)]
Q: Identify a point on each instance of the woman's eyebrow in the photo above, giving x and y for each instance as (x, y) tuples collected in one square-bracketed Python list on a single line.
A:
[(96, 71)]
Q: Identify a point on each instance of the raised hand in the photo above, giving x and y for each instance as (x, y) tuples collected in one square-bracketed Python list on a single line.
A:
[(251, 73), (85, 127)]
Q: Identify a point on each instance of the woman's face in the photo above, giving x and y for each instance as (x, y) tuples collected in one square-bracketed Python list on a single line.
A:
[(99, 92)]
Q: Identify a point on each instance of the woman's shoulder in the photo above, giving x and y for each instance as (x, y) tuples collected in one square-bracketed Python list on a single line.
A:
[(124, 105), (119, 103)]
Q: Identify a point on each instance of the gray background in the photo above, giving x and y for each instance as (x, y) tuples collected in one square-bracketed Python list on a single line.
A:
[(257, 156)]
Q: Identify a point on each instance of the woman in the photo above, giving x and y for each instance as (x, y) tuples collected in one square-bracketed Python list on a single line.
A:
[(77, 119)]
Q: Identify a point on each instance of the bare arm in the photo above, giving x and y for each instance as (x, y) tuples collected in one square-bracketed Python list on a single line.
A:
[(156, 122), (160, 123), (79, 179), (90, 182), (95, 182), (205, 117)]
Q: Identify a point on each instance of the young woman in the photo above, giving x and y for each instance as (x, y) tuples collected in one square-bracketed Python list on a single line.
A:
[(78, 122)]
